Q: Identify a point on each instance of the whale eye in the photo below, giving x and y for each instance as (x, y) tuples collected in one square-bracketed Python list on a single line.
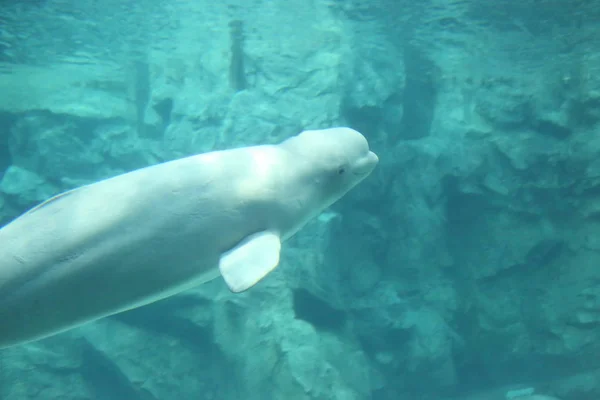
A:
[(341, 170)]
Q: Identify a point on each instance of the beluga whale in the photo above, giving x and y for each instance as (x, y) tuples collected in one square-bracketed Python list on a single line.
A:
[(136, 238)]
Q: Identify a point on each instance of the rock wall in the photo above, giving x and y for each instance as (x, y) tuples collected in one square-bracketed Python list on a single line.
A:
[(466, 266)]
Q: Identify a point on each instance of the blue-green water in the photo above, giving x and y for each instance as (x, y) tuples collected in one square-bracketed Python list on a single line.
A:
[(465, 267)]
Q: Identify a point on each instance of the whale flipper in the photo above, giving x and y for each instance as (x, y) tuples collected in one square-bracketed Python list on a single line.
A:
[(250, 261)]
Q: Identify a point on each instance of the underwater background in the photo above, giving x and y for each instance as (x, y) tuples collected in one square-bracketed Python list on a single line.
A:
[(466, 267)]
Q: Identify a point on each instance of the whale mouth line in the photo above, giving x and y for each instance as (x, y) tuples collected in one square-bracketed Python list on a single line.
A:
[(360, 173)]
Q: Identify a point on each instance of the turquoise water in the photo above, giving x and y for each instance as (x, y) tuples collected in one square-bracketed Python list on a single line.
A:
[(464, 267)]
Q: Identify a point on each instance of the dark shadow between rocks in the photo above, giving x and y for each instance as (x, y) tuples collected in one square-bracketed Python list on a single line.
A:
[(158, 318), (420, 94), (6, 121), (104, 379), (317, 312)]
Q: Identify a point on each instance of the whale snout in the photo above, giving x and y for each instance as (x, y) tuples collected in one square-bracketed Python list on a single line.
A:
[(372, 159), (366, 164)]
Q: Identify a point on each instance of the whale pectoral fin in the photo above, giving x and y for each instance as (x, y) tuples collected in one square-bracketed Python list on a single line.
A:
[(250, 261)]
